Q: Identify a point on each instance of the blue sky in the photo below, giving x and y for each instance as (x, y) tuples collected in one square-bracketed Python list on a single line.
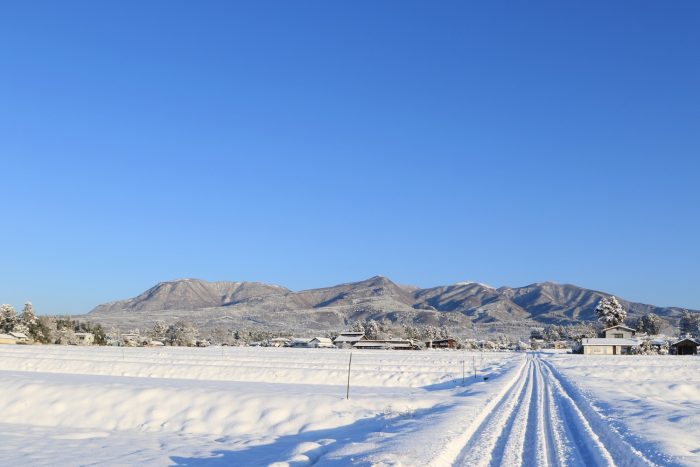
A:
[(312, 143)]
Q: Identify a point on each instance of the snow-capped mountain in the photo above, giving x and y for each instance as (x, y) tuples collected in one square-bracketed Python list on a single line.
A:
[(255, 304)]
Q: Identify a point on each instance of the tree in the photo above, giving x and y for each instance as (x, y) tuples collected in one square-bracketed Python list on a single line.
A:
[(357, 326), (372, 330), (158, 331), (650, 323), (182, 334), (8, 318), (411, 332), (689, 324), (610, 312)]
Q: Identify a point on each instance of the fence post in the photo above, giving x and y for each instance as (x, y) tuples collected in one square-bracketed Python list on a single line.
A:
[(462, 372), (347, 390), (474, 365)]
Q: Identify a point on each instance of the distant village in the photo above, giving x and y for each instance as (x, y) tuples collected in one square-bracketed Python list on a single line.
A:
[(611, 336)]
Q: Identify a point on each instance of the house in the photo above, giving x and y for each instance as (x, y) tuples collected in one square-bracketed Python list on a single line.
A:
[(619, 332), (21, 337), (685, 346), (7, 339), (391, 344), (448, 343), (349, 338), (618, 340), (85, 338), (321, 343)]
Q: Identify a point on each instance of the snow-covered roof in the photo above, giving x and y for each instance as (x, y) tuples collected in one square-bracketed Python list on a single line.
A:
[(324, 340), (609, 341), (19, 335), (619, 326), (350, 337), (387, 344), (6, 336), (686, 339)]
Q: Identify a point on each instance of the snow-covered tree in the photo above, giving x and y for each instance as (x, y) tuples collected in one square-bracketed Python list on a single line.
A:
[(372, 330), (411, 332), (357, 326), (443, 333), (689, 324), (610, 312), (182, 334), (431, 333), (28, 317), (8, 318), (650, 323), (158, 330)]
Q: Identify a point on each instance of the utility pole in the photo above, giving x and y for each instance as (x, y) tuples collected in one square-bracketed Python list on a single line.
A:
[(347, 390)]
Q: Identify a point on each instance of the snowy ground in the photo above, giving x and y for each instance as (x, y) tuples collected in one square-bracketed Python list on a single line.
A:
[(236, 406), (262, 406)]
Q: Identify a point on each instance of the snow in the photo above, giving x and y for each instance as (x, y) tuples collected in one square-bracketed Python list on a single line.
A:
[(653, 402), (67, 405), (234, 406)]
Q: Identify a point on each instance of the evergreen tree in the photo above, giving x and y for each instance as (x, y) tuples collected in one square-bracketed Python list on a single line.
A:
[(610, 312), (8, 318), (689, 324), (650, 323), (372, 330)]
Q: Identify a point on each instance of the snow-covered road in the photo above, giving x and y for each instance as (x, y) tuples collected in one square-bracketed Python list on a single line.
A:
[(540, 421)]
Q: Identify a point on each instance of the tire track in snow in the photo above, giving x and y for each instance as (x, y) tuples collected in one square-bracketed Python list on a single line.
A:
[(539, 423)]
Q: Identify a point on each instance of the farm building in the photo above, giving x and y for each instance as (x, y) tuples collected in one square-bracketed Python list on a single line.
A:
[(448, 343), (392, 344), (7, 339), (349, 338), (685, 346)]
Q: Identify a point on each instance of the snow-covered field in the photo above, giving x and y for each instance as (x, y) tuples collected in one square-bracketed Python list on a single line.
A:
[(263, 406), (237, 406)]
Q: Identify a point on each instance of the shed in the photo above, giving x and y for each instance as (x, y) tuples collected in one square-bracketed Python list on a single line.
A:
[(685, 346), (448, 343), (7, 339), (20, 336)]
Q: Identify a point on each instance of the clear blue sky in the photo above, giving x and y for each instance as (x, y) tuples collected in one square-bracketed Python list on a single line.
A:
[(311, 143)]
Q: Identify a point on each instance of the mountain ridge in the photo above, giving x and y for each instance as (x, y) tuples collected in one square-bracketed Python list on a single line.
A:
[(463, 304)]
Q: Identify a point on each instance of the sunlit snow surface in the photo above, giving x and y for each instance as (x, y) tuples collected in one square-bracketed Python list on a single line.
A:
[(261, 406)]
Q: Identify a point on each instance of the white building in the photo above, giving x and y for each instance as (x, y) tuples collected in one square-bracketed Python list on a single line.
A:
[(321, 343), (21, 337), (7, 339), (618, 340)]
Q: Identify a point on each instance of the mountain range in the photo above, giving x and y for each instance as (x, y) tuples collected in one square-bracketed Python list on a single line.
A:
[(257, 305)]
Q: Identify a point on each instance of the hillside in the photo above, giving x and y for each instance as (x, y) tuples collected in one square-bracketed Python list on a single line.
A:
[(257, 305)]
